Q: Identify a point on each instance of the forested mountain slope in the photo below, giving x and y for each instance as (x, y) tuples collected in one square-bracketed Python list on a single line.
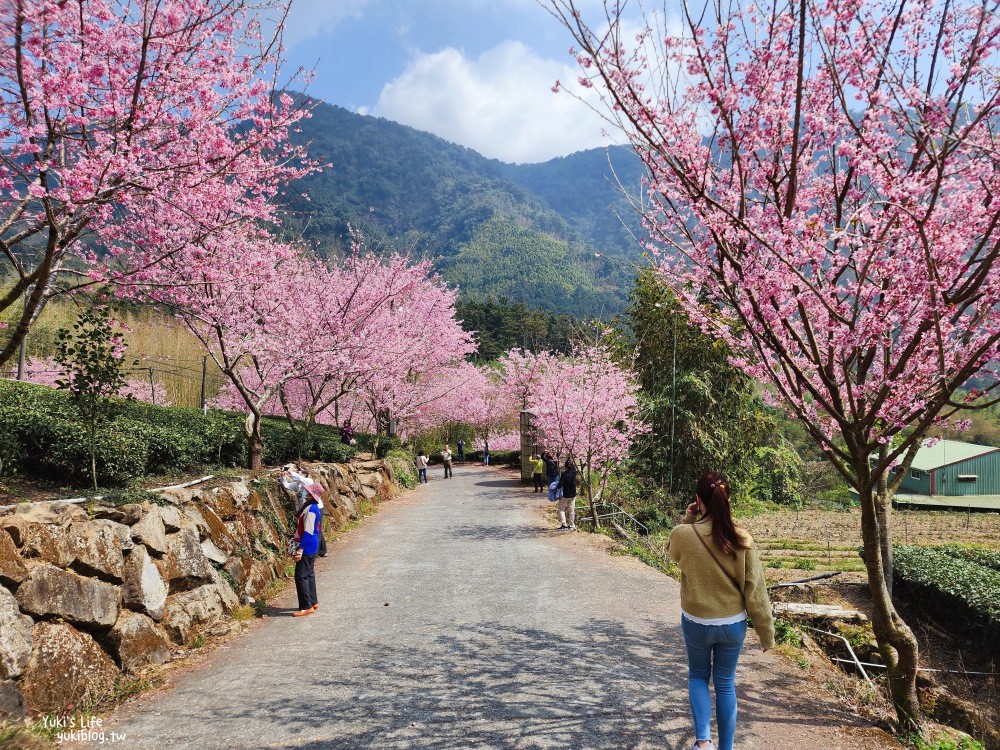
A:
[(544, 234)]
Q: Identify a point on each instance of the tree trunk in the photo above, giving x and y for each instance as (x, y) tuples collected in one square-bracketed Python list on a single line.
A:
[(593, 506), (896, 641), (255, 442), (93, 456), (883, 516)]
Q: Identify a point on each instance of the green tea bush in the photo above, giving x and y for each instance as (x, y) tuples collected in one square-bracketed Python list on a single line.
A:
[(988, 558), (41, 436), (654, 518), (962, 594), (386, 443), (497, 458)]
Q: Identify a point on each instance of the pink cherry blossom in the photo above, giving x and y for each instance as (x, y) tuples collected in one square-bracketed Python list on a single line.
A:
[(116, 114)]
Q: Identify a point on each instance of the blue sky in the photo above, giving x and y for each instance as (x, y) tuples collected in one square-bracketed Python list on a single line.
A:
[(475, 72)]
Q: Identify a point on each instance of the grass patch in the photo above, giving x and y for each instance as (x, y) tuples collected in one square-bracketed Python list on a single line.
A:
[(641, 550), (243, 613), (127, 687), (37, 736), (946, 743), (786, 633)]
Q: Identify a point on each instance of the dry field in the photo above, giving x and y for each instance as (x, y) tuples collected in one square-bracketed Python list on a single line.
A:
[(796, 544), (158, 342)]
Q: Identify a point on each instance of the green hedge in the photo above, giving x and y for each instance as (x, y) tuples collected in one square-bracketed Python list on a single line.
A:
[(40, 436), (366, 443), (963, 595), (497, 458), (988, 558)]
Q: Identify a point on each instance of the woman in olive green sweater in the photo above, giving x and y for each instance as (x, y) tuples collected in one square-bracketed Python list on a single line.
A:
[(721, 582)]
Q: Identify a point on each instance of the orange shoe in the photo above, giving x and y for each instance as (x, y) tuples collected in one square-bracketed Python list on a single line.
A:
[(303, 612), (315, 607)]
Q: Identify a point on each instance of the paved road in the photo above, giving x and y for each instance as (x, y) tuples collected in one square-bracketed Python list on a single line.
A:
[(458, 617)]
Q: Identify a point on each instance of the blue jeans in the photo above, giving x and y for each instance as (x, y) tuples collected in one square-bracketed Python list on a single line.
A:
[(421, 476), (713, 651)]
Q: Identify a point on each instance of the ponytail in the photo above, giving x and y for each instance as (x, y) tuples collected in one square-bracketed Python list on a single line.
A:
[(713, 491)]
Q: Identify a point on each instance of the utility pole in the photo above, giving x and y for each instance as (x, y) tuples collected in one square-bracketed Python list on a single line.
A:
[(673, 406), (22, 357), (204, 374)]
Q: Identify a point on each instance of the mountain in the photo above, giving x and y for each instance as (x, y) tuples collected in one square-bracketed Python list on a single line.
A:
[(588, 189), (545, 234)]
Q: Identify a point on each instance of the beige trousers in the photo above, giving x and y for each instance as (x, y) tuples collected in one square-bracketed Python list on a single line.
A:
[(567, 511)]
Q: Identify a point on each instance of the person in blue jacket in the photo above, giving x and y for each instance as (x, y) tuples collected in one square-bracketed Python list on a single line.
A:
[(307, 539)]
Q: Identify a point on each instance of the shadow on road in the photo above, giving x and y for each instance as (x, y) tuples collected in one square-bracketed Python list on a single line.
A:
[(505, 483), (499, 533), (491, 686)]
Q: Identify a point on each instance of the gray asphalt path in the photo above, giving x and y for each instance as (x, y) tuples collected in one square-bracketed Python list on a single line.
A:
[(459, 617)]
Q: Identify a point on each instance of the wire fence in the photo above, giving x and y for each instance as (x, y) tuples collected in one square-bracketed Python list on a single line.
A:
[(611, 512), (160, 381)]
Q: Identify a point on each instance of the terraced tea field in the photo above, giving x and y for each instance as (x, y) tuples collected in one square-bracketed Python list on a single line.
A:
[(795, 545)]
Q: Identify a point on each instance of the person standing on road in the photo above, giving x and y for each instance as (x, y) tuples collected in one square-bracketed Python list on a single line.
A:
[(307, 541), (567, 503), (446, 457), (461, 451), (551, 468), (721, 582), (421, 463), (537, 472), (296, 479), (486, 453)]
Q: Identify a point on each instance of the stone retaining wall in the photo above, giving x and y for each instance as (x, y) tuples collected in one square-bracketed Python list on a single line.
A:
[(90, 595)]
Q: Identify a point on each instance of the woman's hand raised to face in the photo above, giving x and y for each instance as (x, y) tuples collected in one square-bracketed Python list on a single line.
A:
[(694, 508)]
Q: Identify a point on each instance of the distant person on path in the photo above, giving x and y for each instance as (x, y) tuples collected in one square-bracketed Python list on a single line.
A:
[(446, 457), (721, 582), (567, 503), (486, 453), (461, 451), (307, 540), (347, 434), (538, 472), (421, 468)]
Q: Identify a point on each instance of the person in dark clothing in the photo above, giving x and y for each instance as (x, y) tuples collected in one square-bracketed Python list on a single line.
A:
[(347, 433), (461, 451), (567, 503), (307, 538), (551, 468)]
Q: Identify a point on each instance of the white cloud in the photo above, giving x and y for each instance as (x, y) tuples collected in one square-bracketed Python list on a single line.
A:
[(500, 104), (313, 18)]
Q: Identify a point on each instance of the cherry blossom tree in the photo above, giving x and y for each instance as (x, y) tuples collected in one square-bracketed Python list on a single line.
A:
[(385, 326), (522, 371), (241, 293), (587, 406), (822, 195), (303, 337), (487, 404), (114, 111)]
